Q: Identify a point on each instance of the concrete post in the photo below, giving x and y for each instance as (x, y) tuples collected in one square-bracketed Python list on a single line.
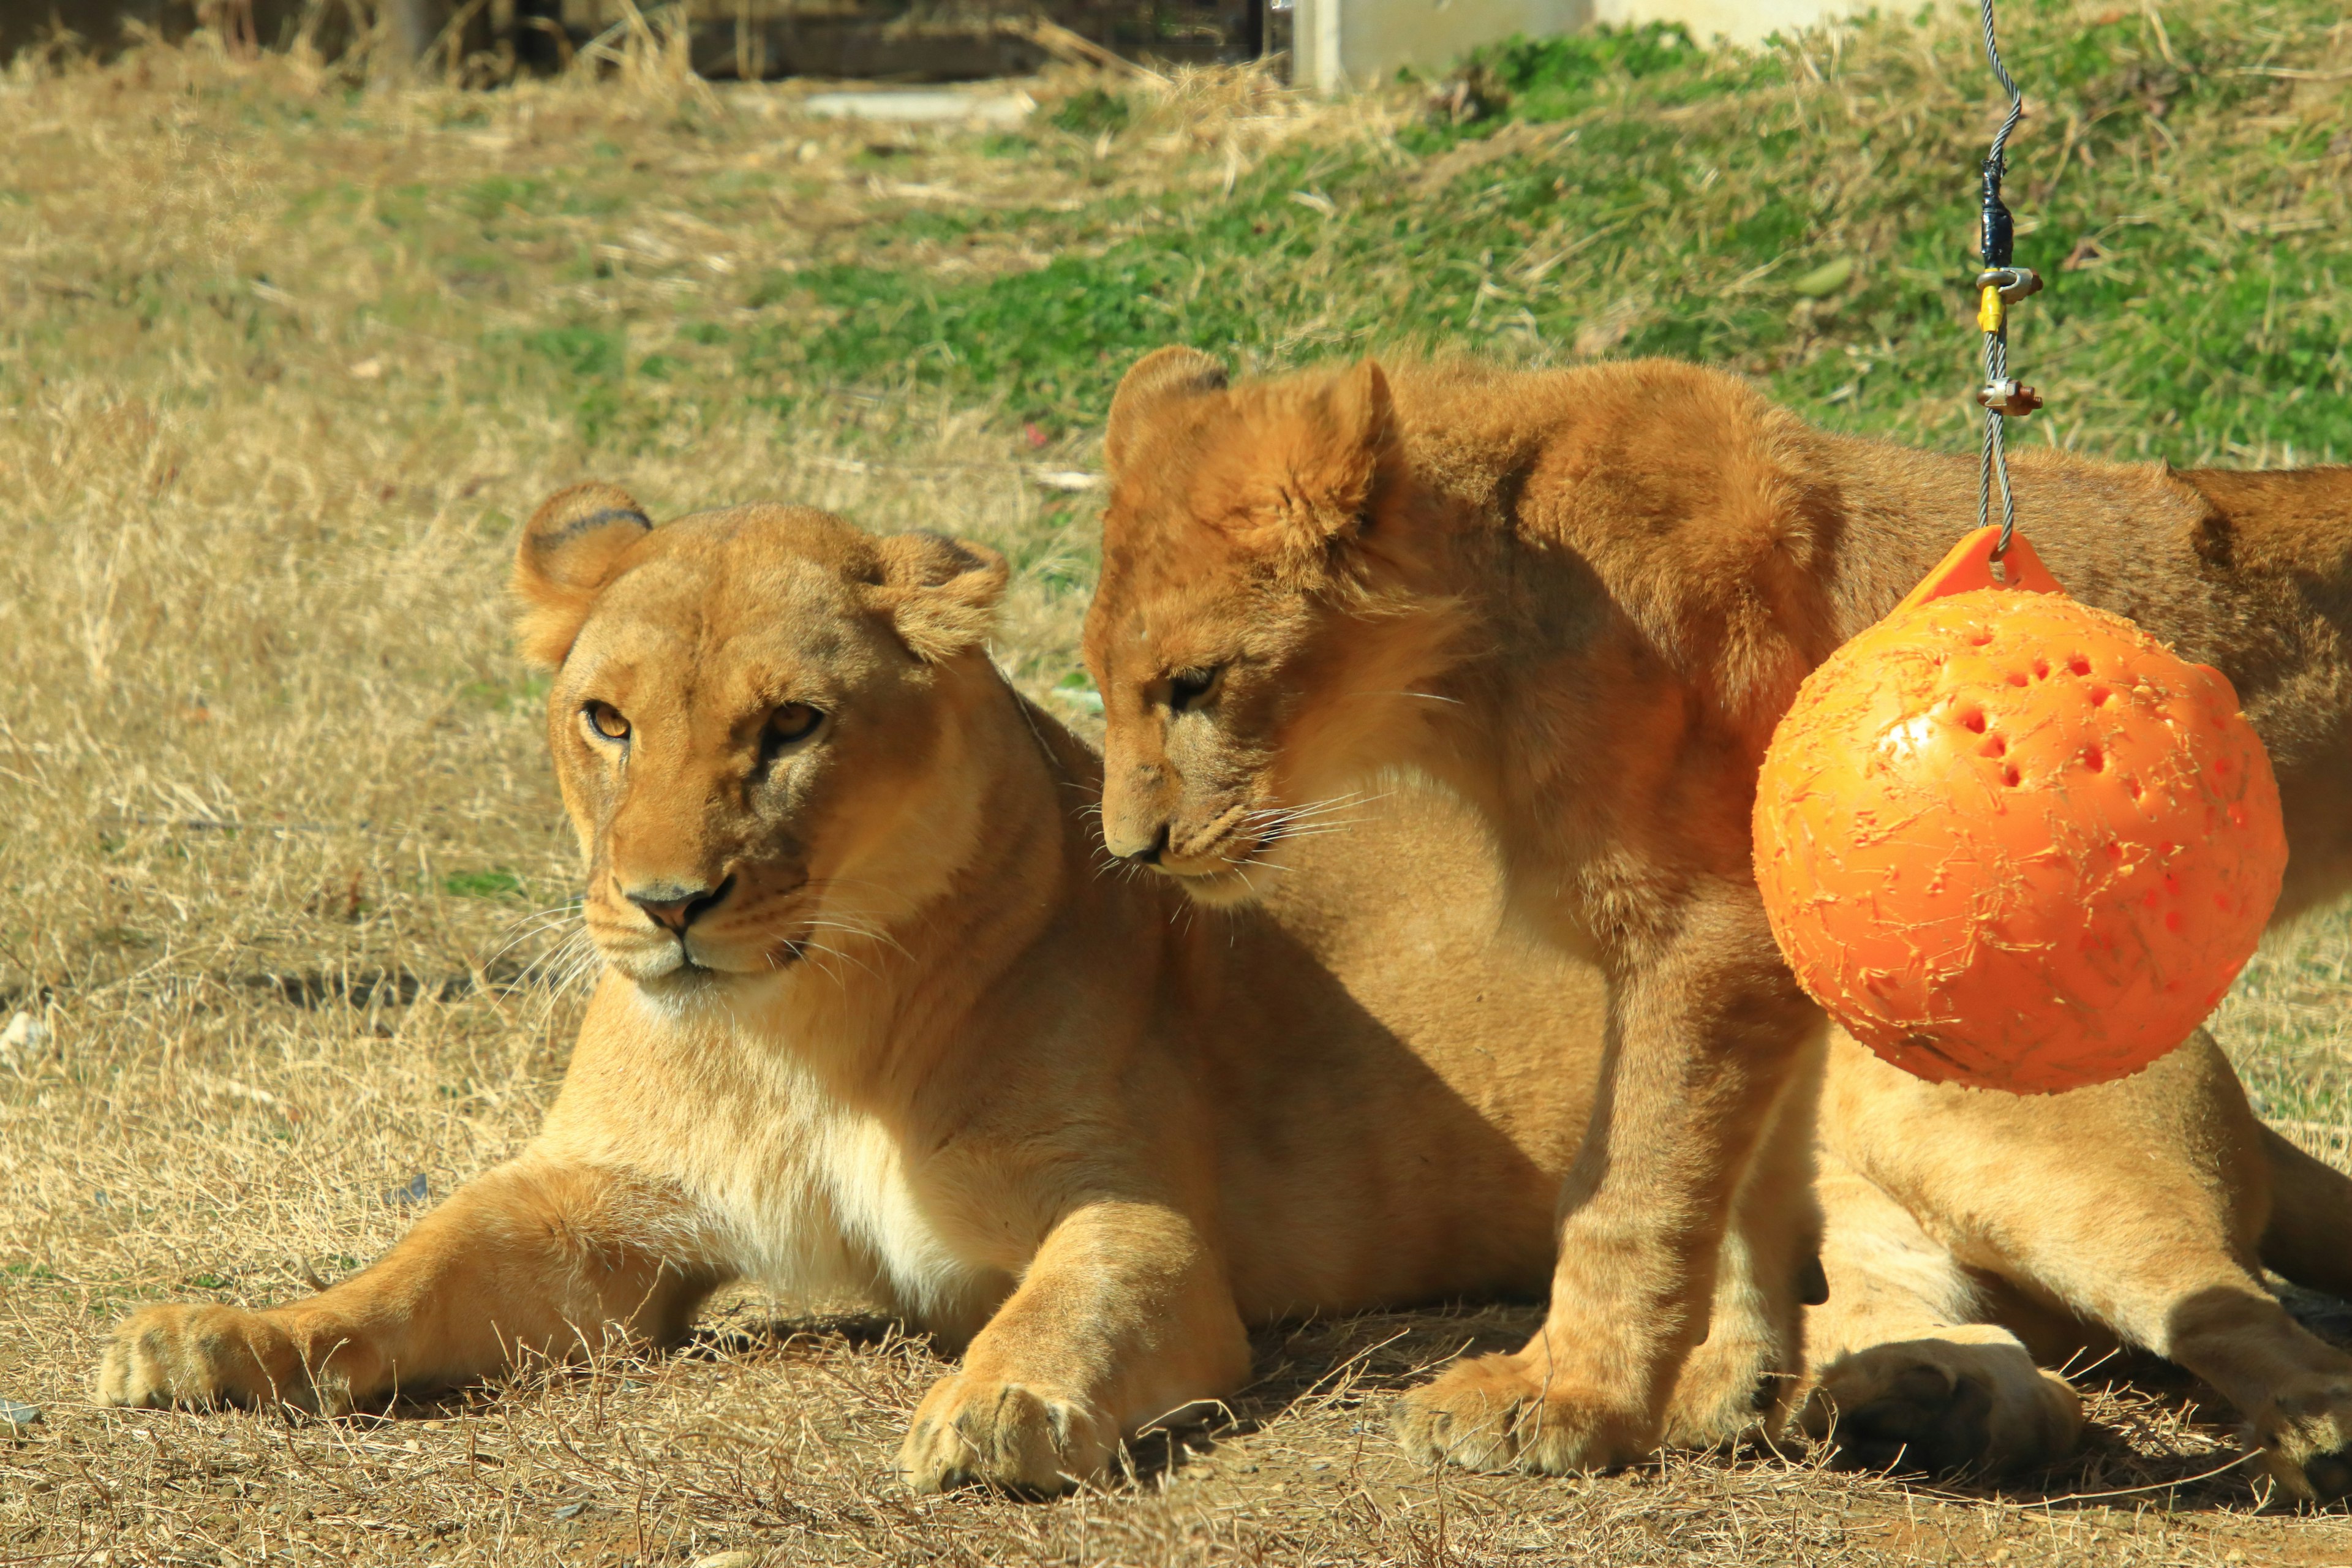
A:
[(414, 24), (1343, 44), (1337, 44)]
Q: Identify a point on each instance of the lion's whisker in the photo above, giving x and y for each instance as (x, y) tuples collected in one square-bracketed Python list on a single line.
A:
[(1283, 835), (1424, 696), (829, 951)]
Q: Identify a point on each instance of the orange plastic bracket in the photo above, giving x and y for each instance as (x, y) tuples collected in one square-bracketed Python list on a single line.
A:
[(1969, 567)]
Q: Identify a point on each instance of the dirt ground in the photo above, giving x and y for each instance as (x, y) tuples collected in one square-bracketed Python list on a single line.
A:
[(282, 882)]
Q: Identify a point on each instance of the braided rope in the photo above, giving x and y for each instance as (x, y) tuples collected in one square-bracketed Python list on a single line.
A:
[(2016, 99), (1995, 462)]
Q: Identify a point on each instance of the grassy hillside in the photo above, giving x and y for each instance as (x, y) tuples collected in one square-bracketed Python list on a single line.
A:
[(1805, 212)]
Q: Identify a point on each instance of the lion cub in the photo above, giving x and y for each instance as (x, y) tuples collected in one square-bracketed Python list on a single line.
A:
[(1581, 600), (874, 1024)]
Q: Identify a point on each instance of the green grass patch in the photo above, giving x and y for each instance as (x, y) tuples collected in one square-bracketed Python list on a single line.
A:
[(1092, 113), (493, 884)]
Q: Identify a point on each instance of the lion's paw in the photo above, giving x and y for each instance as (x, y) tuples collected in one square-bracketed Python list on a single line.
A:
[(1501, 1413), (2305, 1436), (206, 1356), (1939, 1405), (980, 1432)]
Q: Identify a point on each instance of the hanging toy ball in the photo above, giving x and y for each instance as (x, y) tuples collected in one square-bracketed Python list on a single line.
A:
[(2013, 841)]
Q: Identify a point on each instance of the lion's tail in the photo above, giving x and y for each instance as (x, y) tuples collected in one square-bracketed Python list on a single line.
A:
[(2310, 1234)]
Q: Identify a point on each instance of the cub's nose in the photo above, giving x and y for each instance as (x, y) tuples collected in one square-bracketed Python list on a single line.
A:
[(675, 908)]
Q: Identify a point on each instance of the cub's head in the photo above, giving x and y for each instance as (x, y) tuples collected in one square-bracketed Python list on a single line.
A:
[(756, 717), (1258, 628)]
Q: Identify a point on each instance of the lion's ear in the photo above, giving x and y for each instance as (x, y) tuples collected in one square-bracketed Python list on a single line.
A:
[(1175, 372), (940, 592), (569, 550)]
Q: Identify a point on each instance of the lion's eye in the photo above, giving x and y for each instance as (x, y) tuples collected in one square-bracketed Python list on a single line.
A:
[(607, 721), (792, 721), (1189, 688)]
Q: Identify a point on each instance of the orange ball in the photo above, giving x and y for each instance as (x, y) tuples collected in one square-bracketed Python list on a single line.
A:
[(2010, 840)]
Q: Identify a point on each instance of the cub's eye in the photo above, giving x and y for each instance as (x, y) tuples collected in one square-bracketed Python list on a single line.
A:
[(1189, 688), (607, 721), (792, 721)]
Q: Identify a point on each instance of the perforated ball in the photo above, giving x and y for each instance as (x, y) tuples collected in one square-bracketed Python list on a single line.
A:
[(2011, 840)]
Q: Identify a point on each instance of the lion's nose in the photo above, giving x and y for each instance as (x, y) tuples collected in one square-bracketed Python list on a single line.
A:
[(1148, 854), (675, 908)]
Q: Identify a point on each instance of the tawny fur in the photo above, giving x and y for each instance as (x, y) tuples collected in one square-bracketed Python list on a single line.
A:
[(1581, 600), (936, 1057)]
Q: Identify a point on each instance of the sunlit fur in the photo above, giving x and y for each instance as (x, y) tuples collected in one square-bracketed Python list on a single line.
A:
[(1581, 600), (1053, 1114)]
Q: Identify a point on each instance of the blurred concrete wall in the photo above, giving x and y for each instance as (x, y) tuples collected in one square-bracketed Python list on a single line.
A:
[(101, 26), (1335, 44), (1739, 21), (917, 39), (1340, 43)]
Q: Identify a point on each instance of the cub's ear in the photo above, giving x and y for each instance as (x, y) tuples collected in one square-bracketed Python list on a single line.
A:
[(1346, 445), (569, 551), (1162, 373), (940, 592), (1363, 410)]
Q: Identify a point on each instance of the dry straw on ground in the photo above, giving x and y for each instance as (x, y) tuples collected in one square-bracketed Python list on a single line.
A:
[(274, 827)]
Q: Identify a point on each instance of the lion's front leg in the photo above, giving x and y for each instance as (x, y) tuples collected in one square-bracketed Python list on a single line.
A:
[(534, 1256), (1124, 1317), (1706, 1034)]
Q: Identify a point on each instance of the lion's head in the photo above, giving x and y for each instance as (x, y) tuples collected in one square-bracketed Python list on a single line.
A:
[(753, 715), (1257, 623)]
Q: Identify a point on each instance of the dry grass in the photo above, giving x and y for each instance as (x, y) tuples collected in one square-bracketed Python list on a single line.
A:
[(276, 825)]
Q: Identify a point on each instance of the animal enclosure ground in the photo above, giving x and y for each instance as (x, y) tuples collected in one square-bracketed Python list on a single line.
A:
[(282, 365)]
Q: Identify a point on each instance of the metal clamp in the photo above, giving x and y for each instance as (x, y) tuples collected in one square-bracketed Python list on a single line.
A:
[(2012, 398), (2013, 282)]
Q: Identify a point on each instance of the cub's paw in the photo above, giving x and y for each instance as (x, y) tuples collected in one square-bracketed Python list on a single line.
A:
[(206, 1356), (1731, 1394), (979, 1432), (1942, 1406), (1502, 1413), (2305, 1436)]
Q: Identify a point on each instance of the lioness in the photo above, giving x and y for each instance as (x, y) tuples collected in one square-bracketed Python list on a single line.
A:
[(873, 1022), (1581, 600)]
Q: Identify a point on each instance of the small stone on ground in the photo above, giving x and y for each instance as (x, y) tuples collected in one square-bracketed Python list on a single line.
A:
[(24, 1036)]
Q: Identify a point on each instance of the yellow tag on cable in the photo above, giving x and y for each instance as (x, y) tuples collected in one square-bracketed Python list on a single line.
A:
[(1991, 311)]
